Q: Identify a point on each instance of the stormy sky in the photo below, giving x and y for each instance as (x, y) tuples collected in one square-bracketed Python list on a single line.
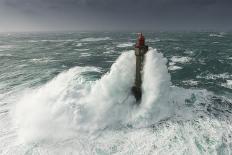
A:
[(107, 15)]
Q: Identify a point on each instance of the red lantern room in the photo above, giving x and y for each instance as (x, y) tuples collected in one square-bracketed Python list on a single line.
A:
[(140, 41)]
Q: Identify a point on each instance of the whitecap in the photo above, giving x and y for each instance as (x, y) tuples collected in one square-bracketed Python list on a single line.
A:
[(228, 84), (42, 60), (54, 40), (191, 82), (176, 48), (178, 59), (109, 52), (171, 63), (33, 41), (210, 76), (174, 68), (4, 47), (5, 55), (83, 49), (79, 45), (217, 34), (85, 54), (122, 45), (153, 40), (95, 39), (189, 52)]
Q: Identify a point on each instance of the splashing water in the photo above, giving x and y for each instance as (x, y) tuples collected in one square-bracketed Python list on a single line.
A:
[(68, 103), (71, 114)]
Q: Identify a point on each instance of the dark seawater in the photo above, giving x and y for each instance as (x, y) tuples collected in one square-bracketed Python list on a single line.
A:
[(199, 64)]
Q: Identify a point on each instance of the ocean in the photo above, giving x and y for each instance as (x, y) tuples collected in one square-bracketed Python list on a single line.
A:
[(70, 93)]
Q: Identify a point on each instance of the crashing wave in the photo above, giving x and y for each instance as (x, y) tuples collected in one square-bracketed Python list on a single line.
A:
[(75, 115)]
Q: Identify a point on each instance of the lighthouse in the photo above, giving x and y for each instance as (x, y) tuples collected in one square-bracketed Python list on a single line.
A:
[(140, 51)]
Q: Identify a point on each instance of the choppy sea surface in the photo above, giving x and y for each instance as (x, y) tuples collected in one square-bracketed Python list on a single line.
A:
[(70, 93)]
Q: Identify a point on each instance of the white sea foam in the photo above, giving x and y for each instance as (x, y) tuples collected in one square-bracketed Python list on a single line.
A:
[(82, 49), (5, 47), (210, 76), (174, 68), (51, 40), (85, 54), (156, 87), (176, 48), (66, 104), (178, 59), (153, 40), (42, 60), (79, 45), (109, 51), (190, 82), (171, 63), (5, 55), (128, 44), (102, 117), (94, 39), (221, 34), (58, 40), (33, 41), (228, 84), (189, 52), (45, 113)]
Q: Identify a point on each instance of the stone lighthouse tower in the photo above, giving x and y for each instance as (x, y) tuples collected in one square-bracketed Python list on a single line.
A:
[(140, 51)]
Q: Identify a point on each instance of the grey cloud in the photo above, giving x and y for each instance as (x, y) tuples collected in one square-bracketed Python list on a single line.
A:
[(124, 14)]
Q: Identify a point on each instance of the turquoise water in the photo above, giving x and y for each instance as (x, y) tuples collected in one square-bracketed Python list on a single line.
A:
[(64, 70), (35, 58)]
